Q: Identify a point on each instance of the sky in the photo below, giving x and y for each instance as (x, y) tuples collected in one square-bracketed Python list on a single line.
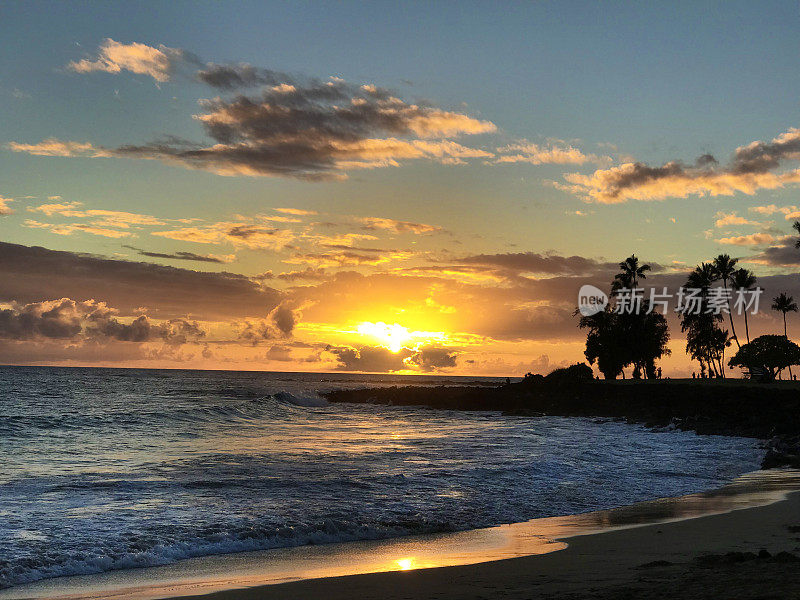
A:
[(405, 187)]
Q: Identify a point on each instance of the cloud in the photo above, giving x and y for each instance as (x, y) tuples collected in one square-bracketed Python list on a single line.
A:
[(308, 274), (115, 57), (279, 323), (431, 359), (380, 359), (107, 218), (322, 260), (211, 258), (55, 147), (724, 219), (554, 154), (33, 274), (782, 254), (230, 77), (533, 262), (312, 130), (297, 211), (371, 359), (242, 234), (789, 212), (76, 227), (372, 223), (752, 168), (753, 239), (5, 209), (68, 319)]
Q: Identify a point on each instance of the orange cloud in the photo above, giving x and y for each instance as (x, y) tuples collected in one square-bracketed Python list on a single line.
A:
[(115, 57), (552, 154), (754, 239), (752, 167)]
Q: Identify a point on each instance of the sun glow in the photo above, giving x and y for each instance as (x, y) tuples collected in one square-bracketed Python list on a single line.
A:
[(396, 337), (406, 564)]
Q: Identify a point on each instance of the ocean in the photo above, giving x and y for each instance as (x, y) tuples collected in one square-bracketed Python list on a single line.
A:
[(105, 469)]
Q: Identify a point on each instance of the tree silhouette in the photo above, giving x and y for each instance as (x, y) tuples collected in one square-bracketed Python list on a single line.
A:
[(744, 280), (605, 343), (705, 340), (725, 267), (784, 303), (769, 354), (630, 273), (796, 226), (617, 340)]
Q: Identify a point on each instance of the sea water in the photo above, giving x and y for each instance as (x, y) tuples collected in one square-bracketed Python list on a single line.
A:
[(104, 469)]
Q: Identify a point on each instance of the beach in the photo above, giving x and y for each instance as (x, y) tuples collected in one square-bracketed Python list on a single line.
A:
[(682, 559)]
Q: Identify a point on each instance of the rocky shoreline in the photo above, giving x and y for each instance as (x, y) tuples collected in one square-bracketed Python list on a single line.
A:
[(711, 407)]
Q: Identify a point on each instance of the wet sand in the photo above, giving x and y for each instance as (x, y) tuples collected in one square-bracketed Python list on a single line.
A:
[(601, 554), (682, 559)]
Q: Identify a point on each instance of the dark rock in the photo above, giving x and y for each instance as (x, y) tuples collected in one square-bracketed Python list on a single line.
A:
[(785, 557), (730, 558), (782, 451), (656, 563)]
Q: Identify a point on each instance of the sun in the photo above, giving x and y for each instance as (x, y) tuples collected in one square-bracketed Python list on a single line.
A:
[(396, 337)]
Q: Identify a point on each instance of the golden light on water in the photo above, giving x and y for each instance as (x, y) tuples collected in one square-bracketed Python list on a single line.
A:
[(396, 337)]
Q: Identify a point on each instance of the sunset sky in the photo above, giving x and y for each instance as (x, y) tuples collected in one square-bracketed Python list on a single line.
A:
[(409, 187)]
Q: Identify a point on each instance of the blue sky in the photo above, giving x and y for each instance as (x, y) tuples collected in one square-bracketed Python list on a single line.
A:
[(624, 82)]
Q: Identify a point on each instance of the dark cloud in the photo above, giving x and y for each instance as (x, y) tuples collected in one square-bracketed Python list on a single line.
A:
[(60, 320), (68, 319), (308, 274), (432, 359), (784, 254), (33, 274), (311, 130), (380, 359), (180, 256), (279, 323), (230, 77), (532, 262), (372, 359)]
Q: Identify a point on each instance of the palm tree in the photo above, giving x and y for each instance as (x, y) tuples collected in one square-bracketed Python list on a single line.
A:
[(705, 339), (784, 303), (725, 267), (630, 272), (744, 280), (796, 225), (702, 277)]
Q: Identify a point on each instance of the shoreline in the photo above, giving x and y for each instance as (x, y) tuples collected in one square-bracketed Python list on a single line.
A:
[(283, 572), (749, 553)]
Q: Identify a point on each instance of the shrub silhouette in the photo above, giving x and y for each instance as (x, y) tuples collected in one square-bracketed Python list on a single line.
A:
[(574, 373)]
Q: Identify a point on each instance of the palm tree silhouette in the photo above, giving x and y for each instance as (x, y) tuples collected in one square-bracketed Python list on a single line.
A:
[(630, 272), (744, 280), (796, 226), (705, 340), (702, 277), (725, 267), (784, 303)]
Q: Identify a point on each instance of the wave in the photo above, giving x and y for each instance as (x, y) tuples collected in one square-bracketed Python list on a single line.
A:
[(248, 538), (220, 411)]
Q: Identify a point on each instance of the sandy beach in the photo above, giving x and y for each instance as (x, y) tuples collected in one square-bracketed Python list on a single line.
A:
[(705, 557)]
